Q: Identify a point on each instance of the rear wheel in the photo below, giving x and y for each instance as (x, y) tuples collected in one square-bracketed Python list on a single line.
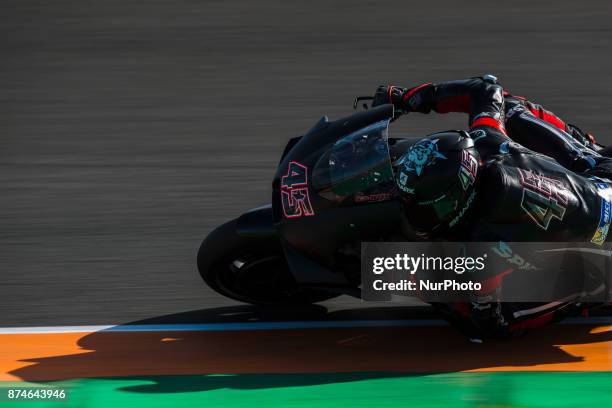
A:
[(251, 270)]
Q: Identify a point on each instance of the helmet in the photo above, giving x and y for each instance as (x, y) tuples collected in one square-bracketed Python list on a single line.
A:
[(436, 177)]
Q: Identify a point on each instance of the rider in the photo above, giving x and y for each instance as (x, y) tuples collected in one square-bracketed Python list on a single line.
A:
[(519, 173)]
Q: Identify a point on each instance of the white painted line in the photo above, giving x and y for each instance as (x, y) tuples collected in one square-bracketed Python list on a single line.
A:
[(52, 329), (325, 324)]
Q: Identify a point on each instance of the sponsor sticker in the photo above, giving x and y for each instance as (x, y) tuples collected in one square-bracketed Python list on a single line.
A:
[(463, 210), (362, 198), (423, 154), (515, 109), (477, 134), (601, 232)]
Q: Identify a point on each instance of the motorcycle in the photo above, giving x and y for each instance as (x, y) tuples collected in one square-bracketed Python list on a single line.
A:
[(332, 190)]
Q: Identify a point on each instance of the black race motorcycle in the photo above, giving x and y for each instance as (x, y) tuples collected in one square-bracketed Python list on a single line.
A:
[(333, 189)]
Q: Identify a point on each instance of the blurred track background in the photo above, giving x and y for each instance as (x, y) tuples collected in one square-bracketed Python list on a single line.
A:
[(129, 129)]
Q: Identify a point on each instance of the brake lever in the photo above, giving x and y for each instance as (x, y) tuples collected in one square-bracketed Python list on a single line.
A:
[(362, 98)]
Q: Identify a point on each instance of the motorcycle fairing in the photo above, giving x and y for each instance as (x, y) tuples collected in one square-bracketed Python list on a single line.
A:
[(340, 219)]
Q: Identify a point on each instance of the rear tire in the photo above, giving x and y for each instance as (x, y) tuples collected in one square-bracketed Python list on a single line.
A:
[(251, 270)]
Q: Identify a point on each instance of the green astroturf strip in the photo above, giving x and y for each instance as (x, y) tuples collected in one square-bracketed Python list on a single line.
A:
[(516, 389)]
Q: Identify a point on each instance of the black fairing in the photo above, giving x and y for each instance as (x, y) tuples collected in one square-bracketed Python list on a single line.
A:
[(335, 225), (257, 223)]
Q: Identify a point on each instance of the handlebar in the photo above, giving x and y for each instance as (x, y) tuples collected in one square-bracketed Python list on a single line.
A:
[(362, 98), (397, 112)]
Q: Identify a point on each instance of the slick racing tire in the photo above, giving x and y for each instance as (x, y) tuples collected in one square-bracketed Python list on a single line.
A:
[(251, 270)]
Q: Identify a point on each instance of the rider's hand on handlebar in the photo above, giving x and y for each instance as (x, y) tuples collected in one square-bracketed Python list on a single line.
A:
[(389, 94)]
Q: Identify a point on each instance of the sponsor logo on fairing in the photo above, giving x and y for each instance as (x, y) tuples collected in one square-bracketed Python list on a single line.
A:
[(363, 198)]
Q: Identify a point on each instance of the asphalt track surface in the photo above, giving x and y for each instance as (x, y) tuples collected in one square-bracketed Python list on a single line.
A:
[(128, 130)]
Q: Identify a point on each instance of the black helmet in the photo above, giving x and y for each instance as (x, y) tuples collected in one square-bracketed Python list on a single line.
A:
[(436, 178)]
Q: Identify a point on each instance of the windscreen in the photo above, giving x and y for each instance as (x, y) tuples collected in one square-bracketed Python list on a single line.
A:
[(357, 166)]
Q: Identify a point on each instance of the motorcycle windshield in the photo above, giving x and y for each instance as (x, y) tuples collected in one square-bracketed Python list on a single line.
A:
[(357, 166)]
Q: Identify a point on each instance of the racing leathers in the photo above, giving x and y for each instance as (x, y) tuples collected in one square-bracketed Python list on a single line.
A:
[(539, 179)]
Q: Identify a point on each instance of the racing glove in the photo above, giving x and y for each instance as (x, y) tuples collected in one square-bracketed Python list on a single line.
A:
[(404, 99), (389, 94)]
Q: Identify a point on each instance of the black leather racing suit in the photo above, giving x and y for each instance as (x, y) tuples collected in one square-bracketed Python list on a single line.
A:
[(540, 180)]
